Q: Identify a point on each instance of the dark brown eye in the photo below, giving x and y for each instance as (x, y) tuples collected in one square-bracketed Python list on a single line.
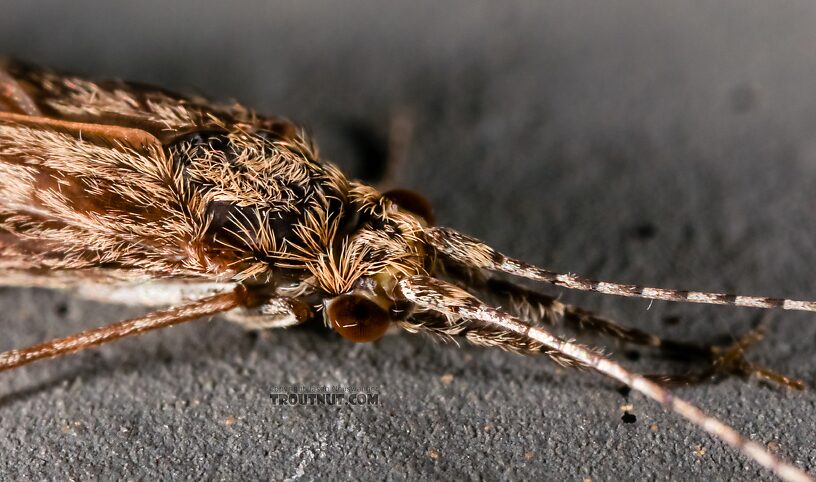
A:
[(412, 202), (357, 319)]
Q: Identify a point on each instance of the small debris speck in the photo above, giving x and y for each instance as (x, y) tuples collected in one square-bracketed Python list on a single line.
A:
[(447, 378), (632, 355), (433, 454), (529, 455), (699, 450), (671, 320), (229, 421)]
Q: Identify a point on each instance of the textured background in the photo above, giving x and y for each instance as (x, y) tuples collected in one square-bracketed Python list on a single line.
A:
[(670, 144)]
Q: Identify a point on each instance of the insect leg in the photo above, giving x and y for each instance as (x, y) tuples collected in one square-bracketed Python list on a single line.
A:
[(538, 308), (400, 133), (272, 313), (731, 360), (135, 326), (462, 308)]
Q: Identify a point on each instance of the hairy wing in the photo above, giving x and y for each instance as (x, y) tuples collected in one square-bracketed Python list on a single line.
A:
[(87, 184), (34, 91), (88, 196), (133, 180)]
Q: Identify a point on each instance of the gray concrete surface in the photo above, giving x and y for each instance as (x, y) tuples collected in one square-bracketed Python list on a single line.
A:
[(671, 144)]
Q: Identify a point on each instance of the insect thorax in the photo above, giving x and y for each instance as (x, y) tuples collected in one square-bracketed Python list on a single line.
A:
[(274, 210), (227, 203)]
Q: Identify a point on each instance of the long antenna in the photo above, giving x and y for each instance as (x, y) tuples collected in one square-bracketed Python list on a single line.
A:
[(449, 300), (476, 254)]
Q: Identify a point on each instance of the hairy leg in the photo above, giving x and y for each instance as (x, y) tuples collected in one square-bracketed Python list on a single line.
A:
[(400, 133), (272, 313), (135, 326), (462, 312), (538, 308)]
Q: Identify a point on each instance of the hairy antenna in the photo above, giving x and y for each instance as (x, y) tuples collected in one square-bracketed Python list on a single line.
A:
[(476, 254), (456, 304)]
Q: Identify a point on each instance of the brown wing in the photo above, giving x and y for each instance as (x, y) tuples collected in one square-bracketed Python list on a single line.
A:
[(34, 91), (85, 181), (129, 178), (81, 196)]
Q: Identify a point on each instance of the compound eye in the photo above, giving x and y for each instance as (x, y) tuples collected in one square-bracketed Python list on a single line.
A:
[(412, 202), (357, 318)]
